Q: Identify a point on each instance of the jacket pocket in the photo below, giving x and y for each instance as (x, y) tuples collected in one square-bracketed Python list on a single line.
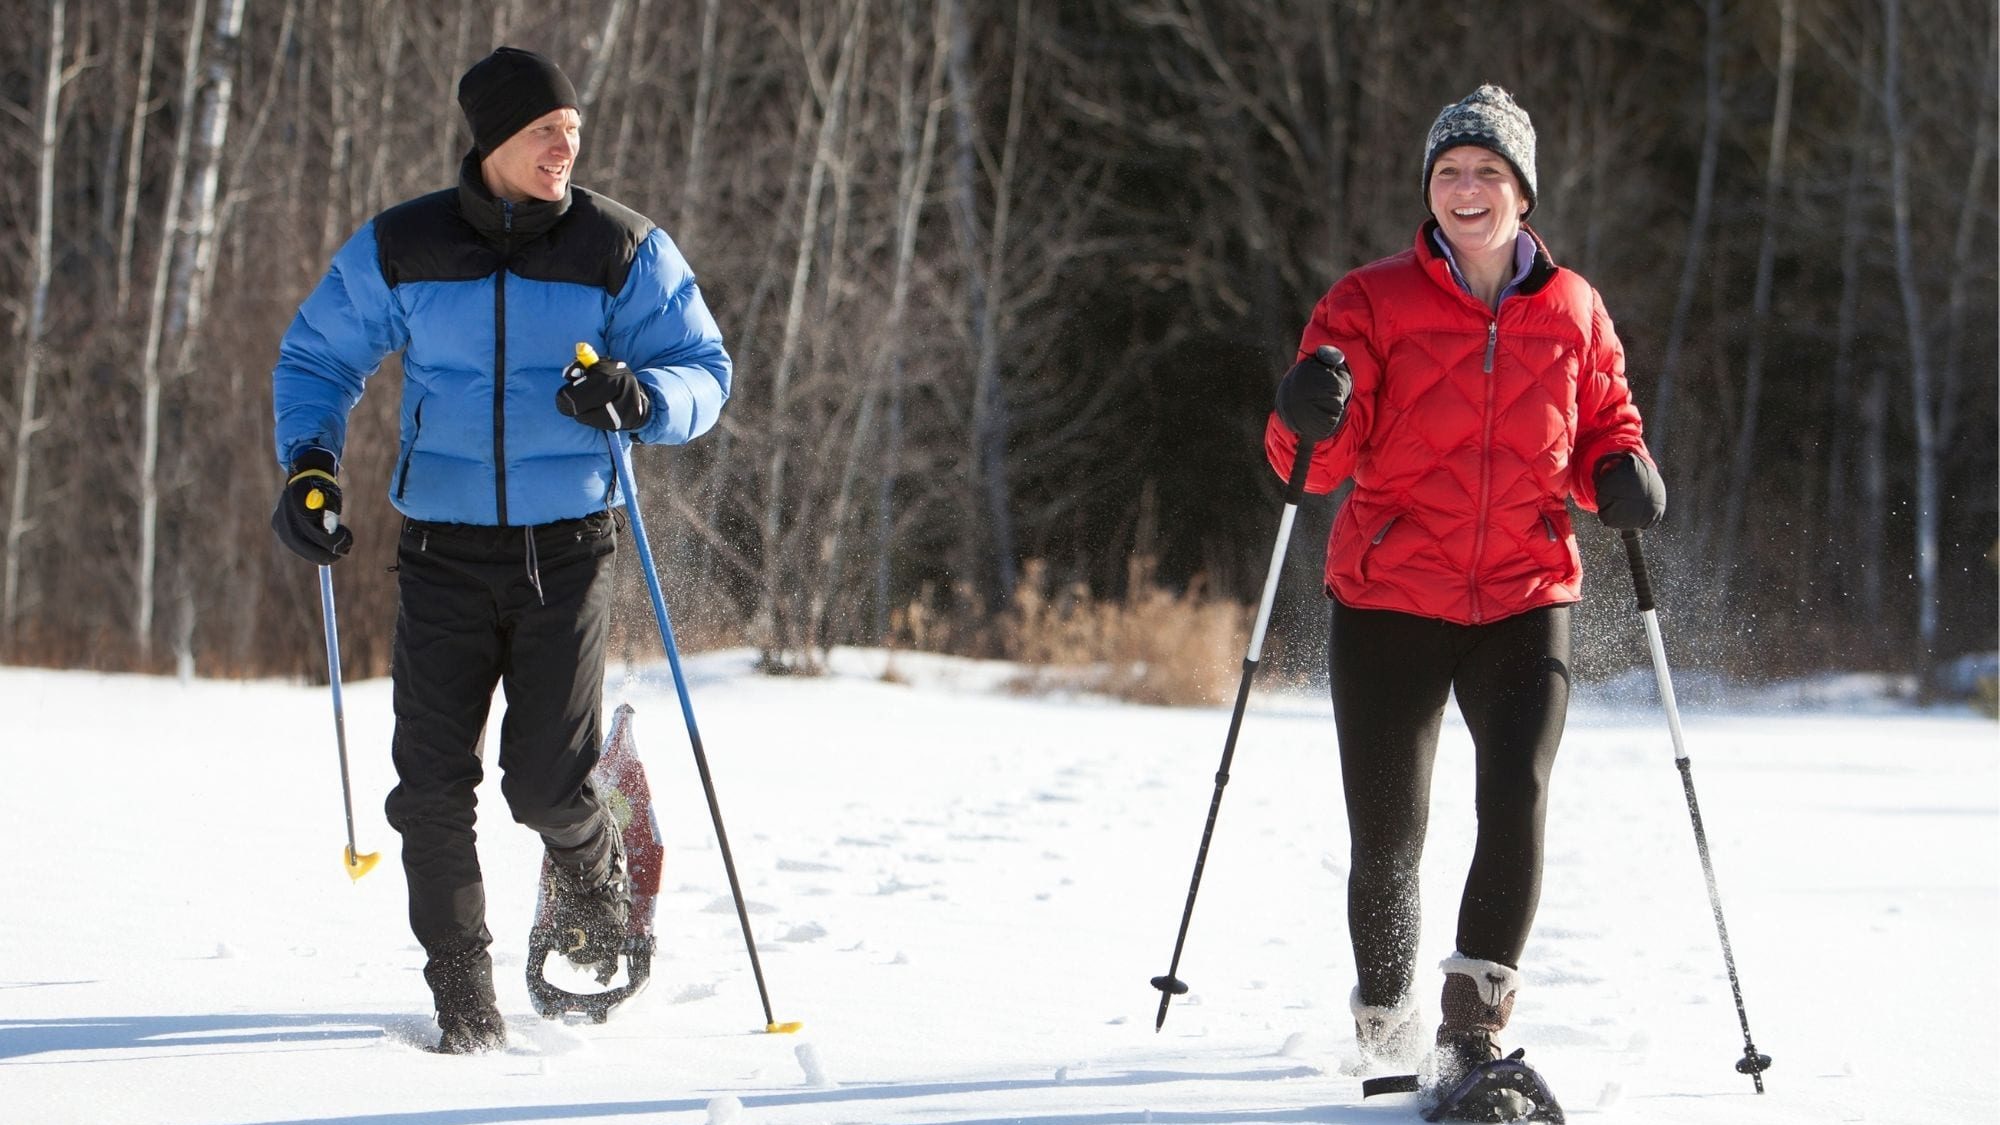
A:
[(1552, 547), (409, 446), (1368, 552)]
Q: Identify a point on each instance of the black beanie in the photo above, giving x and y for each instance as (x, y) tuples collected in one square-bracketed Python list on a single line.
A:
[(506, 90)]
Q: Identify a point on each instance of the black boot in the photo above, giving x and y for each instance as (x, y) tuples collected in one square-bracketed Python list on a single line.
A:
[(462, 986), (592, 906)]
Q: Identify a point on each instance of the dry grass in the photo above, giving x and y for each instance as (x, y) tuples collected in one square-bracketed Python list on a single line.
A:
[(1156, 646)]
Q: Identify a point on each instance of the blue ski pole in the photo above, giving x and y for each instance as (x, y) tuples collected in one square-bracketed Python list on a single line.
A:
[(621, 458)]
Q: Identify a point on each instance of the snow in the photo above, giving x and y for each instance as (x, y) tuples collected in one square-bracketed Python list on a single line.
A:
[(962, 893)]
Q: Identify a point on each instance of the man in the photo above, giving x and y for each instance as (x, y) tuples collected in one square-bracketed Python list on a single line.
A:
[(505, 476)]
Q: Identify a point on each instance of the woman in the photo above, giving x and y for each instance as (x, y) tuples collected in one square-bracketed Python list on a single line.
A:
[(1482, 388)]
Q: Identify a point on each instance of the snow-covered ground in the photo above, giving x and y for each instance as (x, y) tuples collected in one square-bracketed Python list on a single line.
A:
[(962, 894)]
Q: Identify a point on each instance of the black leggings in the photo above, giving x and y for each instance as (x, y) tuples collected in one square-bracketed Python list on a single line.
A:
[(1391, 674)]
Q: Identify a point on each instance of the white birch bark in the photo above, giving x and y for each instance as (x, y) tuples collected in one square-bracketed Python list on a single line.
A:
[(26, 422)]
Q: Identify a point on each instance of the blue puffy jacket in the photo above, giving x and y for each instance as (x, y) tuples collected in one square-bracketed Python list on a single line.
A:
[(487, 301)]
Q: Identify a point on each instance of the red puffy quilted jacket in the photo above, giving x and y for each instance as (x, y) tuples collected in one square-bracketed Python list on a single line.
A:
[(1466, 433)]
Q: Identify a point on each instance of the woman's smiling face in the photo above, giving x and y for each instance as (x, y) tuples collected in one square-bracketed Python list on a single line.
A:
[(1476, 199)]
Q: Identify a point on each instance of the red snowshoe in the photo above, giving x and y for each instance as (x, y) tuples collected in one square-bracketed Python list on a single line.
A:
[(620, 780)]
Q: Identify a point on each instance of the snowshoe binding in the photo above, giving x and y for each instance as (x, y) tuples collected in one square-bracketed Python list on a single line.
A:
[(1500, 1090), (597, 929)]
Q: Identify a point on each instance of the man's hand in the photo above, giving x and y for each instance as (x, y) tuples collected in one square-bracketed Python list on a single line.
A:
[(1630, 494), (1312, 397), (307, 518), (603, 393)]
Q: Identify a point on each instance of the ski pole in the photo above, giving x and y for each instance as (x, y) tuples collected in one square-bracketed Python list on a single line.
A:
[(1171, 985), (357, 863), (1752, 1063), (621, 458)]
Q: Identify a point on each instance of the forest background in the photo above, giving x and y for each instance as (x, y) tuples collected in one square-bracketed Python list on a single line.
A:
[(1008, 284)]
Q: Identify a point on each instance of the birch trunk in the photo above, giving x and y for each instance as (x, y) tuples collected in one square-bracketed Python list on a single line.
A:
[(134, 154), (40, 269), (150, 379)]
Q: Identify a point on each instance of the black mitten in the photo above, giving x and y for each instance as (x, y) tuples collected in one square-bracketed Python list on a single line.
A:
[(1312, 397), (1630, 494)]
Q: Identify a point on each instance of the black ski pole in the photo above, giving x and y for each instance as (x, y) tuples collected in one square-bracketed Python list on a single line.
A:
[(1171, 985), (1752, 1063)]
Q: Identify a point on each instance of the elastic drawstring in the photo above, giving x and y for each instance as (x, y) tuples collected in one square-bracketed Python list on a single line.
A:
[(534, 566)]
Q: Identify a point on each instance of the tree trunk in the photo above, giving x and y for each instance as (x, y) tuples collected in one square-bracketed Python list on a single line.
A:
[(768, 628), (985, 256), (40, 269), (1921, 404), (1865, 518), (1659, 422), (135, 151), (1974, 203), (1741, 460), (912, 186), (150, 375)]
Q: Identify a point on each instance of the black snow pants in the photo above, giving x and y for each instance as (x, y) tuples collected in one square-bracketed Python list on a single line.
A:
[(1391, 675), (524, 609)]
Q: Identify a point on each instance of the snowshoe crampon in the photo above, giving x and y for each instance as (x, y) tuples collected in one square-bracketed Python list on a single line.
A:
[(1502, 1090), (620, 781), (1498, 1091)]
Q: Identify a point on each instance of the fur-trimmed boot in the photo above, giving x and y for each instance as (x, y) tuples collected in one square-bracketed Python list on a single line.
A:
[(1388, 1037), (1477, 1000)]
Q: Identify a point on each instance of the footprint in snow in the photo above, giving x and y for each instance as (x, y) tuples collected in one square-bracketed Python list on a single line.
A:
[(805, 865)]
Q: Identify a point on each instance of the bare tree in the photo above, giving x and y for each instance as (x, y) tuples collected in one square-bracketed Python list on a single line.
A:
[(27, 421), (1922, 407), (1744, 451), (1659, 421)]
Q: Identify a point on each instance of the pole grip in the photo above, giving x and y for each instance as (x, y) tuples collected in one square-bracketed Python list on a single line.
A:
[(1295, 485), (1642, 583)]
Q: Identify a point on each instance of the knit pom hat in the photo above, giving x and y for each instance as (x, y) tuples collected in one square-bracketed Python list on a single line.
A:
[(506, 90), (1489, 118)]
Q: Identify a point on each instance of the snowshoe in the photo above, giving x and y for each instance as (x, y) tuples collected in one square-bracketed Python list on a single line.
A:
[(1502, 1090), (620, 780)]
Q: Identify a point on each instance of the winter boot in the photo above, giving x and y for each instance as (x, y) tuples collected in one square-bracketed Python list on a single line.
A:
[(592, 908), (462, 986), (1477, 1000), (1387, 1036)]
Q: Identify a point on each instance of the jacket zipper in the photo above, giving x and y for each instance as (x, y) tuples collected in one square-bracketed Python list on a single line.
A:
[(500, 371), (1485, 473)]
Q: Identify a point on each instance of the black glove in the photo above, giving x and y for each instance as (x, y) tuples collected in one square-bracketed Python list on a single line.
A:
[(307, 518), (1630, 494), (605, 394), (1312, 397)]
